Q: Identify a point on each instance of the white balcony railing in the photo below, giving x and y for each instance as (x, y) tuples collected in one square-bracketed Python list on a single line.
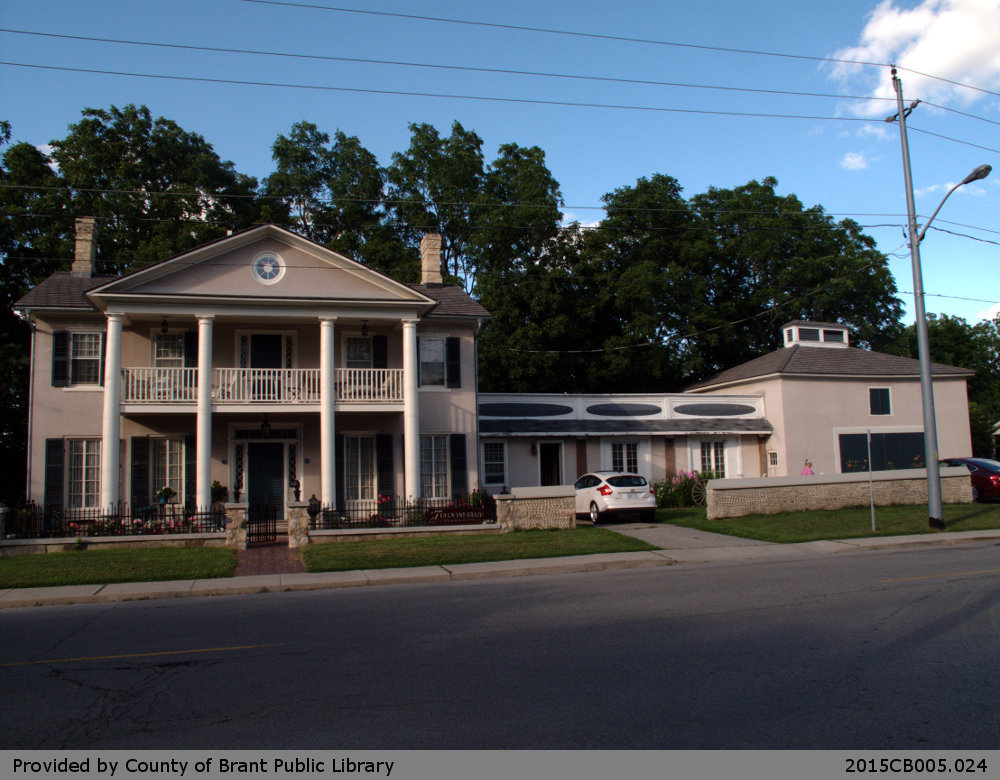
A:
[(160, 385), (261, 385)]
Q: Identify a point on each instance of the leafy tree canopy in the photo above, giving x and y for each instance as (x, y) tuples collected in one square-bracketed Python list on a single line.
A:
[(955, 342)]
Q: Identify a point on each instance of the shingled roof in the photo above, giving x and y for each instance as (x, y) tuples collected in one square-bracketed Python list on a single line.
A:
[(813, 361), (63, 290), (452, 300), (568, 427)]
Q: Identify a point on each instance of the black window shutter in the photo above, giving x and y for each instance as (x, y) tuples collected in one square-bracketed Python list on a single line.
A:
[(419, 358), (191, 473), (141, 472), (338, 447), (384, 471), (55, 456), (121, 472), (191, 349), (104, 350), (453, 361), (459, 471), (60, 358), (380, 352)]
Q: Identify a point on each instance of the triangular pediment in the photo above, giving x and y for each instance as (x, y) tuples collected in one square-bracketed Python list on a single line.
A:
[(267, 264)]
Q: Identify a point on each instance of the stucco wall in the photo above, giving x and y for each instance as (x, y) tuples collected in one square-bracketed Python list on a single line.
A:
[(810, 413)]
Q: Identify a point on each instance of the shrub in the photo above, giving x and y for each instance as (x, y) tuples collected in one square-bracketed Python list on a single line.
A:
[(676, 492)]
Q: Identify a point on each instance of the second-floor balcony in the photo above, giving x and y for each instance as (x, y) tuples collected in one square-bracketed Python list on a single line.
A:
[(284, 386)]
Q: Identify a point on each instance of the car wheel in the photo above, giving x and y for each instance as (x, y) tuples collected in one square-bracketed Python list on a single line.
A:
[(975, 493), (595, 514)]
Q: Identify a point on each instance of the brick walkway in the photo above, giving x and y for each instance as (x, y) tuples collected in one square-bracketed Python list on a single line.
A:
[(274, 558)]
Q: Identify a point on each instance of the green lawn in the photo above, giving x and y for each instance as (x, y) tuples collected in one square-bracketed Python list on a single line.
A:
[(188, 563), (789, 527), (95, 567), (473, 548)]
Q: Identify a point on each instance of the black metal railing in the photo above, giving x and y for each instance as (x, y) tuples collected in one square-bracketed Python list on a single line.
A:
[(36, 522), (392, 512)]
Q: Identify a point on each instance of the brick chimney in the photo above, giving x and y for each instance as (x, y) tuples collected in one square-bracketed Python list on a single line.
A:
[(430, 259), (85, 256)]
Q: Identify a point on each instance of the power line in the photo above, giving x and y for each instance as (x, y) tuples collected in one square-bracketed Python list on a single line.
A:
[(464, 68), (608, 37), (949, 138), (610, 210), (447, 96), (475, 69)]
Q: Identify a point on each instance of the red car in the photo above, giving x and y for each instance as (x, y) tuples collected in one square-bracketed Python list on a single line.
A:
[(985, 474)]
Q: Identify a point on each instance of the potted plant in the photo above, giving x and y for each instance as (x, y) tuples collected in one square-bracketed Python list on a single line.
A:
[(165, 493), (220, 492)]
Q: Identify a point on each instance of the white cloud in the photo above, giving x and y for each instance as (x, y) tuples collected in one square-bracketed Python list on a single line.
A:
[(989, 314), (585, 222), (854, 161), (957, 40)]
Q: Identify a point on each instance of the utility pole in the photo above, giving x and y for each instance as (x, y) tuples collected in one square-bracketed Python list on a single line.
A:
[(935, 513)]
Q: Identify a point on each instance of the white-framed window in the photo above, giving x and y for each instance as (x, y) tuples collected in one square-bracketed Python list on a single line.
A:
[(713, 459), (357, 352), (434, 466), (625, 456), (359, 468), (85, 358), (772, 459), (83, 473), (494, 463), (879, 401), (168, 350), (168, 467), (432, 361)]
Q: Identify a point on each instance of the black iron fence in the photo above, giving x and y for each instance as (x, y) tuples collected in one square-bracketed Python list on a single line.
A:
[(36, 522), (392, 512)]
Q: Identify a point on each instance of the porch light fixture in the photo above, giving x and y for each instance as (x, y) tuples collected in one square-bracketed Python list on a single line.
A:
[(364, 328), (163, 326), (265, 428)]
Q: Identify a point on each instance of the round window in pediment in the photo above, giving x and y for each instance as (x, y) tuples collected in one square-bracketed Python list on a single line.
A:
[(267, 268)]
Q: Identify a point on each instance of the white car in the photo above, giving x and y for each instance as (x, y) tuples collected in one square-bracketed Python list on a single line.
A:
[(602, 495)]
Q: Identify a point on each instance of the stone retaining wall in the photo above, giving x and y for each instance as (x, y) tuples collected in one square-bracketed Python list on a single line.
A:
[(741, 497), (67, 543), (546, 507)]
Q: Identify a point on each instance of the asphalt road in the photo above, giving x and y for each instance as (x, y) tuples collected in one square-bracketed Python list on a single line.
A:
[(876, 649)]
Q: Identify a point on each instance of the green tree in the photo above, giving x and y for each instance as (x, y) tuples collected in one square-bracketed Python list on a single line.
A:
[(954, 342), (435, 186), (767, 260), (154, 188)]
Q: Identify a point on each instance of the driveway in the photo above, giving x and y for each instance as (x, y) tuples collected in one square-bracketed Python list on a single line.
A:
[(675, 537)]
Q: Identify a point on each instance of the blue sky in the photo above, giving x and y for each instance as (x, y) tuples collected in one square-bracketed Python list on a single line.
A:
[(851, 167)]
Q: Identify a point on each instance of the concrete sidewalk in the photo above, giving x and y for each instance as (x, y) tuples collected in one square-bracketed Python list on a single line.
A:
[(678, 546)]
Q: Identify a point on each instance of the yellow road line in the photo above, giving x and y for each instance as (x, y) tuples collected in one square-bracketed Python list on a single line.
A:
[(939, 576), (140, 655)]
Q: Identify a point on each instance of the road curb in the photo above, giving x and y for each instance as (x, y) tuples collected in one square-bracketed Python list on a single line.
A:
[(275, 583)]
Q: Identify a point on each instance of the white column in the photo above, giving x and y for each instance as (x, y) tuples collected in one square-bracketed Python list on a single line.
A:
[(203, 439), (411, 412), (111, 428), (327, 400)]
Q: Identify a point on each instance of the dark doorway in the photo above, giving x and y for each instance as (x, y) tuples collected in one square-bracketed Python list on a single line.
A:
[(550, 463), (265, 350), (265, 489)]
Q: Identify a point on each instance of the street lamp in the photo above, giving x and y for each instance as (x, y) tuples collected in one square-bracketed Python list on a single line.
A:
[(935, 513)]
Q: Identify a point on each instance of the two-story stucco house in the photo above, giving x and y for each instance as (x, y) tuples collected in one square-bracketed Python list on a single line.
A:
[(825, 398), (262, 361)]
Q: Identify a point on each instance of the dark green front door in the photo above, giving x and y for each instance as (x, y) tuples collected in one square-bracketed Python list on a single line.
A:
[(266, 474)]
